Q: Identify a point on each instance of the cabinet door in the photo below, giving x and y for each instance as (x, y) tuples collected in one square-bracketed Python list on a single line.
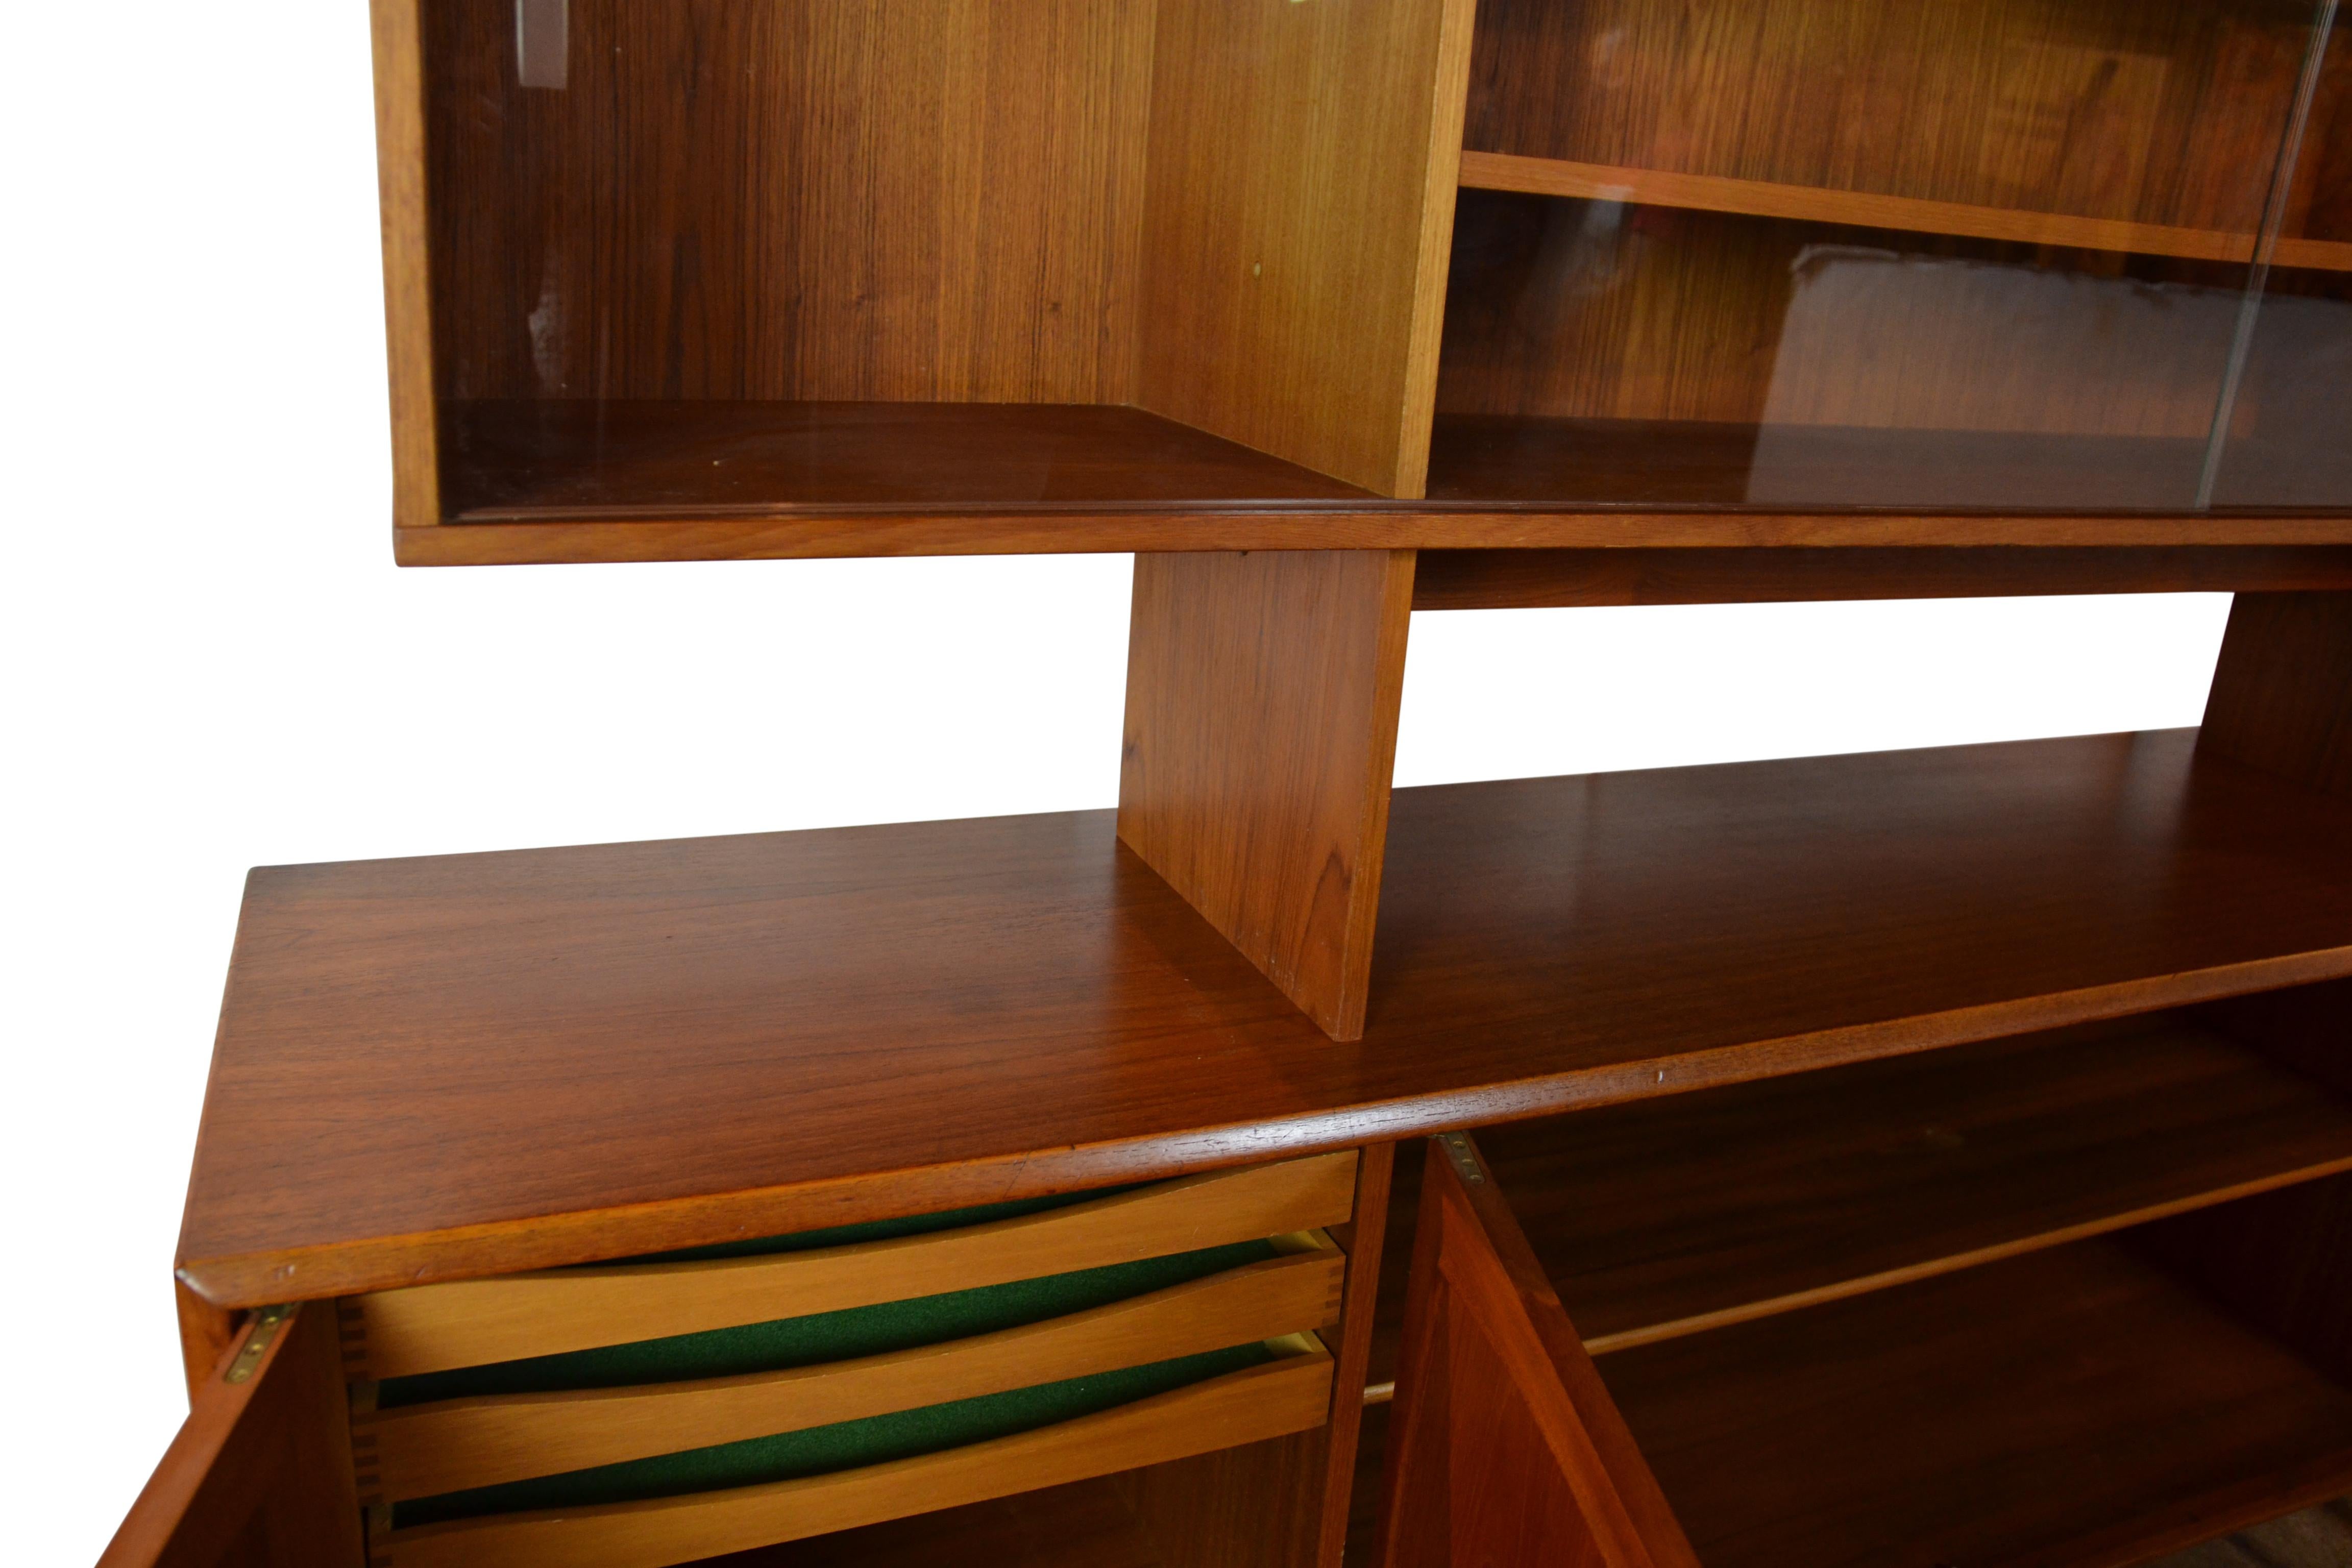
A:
[(1505, 1450), (260, 1474)]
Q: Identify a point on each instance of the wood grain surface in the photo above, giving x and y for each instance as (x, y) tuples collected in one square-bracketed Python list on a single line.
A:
[(851, 1023), (1301, 190), (1866, 210), (777, 533), (860, 199), (2066, 1406), (1365, 1237), (2168, 115), (1529, 579), (473, 1322), (454, 1445), (1503, 1446), (1263, 690), (520, 460), (2281, 693), (396, 31), (1677, 1215), (259, 1474)]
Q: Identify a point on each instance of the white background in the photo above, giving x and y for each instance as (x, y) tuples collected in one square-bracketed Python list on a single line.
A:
[(212, 663)]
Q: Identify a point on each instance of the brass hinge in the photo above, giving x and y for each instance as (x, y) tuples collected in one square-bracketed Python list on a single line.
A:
[(1465, 1158), (266, 1324)]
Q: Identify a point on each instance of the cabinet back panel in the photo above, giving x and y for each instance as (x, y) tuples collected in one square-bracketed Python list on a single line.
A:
[(2167, 114), (895, 200)]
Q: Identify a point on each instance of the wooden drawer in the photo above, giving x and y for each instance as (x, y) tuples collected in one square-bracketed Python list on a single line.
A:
[(566, 1415), (1289, 1393), (433, 1328), (1162, 1357), (451, 1444)]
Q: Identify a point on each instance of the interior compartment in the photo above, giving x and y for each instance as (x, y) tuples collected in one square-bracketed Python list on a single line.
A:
[(2072, 1297), (737, 254), (2000, 253), (2078, 1406)]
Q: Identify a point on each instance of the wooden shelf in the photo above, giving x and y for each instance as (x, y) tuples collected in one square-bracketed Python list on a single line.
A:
[(1871, 209), (579, 460), (937, 1014), (2075, 1407), (1672, 1216), (1504, 460)]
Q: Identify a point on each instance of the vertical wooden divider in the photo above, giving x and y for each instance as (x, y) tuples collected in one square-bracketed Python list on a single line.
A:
[(1283, 1503), (1298, 224), (2282, 695), (1262, 697), (2282, 700)]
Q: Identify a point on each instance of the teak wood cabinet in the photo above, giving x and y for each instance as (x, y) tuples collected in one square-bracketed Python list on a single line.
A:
[(1929, 1158)]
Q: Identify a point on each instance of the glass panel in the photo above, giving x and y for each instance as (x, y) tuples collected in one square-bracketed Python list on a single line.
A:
[(1983, 254), (2285, 435)]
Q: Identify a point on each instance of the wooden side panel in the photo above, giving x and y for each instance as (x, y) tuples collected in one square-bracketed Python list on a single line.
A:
[(1283, 1503), (1303, 161), (260, 1474), (861, 199), (2282, 695), (398, 29), (1262, 697), (1505, 1450)]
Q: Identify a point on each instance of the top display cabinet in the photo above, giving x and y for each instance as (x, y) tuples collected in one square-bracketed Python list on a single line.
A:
[(723, 278)]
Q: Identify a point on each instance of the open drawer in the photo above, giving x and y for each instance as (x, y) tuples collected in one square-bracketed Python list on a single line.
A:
[(663, 1410), (2079, 1297)]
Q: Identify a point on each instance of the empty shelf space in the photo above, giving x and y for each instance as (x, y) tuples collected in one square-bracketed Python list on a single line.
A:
[(1695, 926), (1873, 209), (572, 459), (1670, 1216), (2073, 1406)]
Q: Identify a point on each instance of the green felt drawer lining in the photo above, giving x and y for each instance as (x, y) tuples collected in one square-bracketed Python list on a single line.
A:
[(847, 1445), (821, 1337)]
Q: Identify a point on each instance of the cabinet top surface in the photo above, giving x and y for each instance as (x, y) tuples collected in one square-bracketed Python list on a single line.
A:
[(468, 1064)]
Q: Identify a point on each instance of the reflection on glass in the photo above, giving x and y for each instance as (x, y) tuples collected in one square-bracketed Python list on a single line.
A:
[(1833, 253)]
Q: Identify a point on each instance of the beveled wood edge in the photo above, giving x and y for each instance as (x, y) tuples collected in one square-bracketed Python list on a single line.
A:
[(516, 1315), (1287, 1394), (1952, 1263), (500, 1247), (556, 540), (1449, 107), (1533, 579), (423, 1450)]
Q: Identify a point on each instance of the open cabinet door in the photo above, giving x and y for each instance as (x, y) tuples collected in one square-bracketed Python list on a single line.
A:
[(1505, 1450), (260, 1474)]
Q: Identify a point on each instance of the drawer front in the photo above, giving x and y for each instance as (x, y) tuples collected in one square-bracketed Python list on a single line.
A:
[(454, 1445), (473, 1322), (1290, 1392), (663, 1405)]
